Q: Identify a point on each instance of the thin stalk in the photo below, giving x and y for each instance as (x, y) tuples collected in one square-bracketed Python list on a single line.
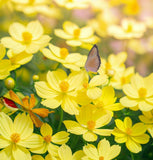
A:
[(132, 156), (61, 120)]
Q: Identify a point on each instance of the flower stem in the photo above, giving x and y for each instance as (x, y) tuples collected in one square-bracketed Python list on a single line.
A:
[(132, 156), (61, 119)]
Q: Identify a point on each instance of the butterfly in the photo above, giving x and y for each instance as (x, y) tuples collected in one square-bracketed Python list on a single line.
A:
[(93, 61)]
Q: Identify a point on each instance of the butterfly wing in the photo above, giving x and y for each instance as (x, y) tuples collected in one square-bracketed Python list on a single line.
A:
[(93, 61)]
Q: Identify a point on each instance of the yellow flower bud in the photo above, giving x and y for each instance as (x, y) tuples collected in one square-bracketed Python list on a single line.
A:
[(9, 83), (35, 77)]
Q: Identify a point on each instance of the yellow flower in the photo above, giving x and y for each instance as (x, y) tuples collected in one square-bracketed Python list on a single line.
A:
[(76, 36), (132, 136), (103, 151), (89, 122), (48, 157), (113, 65), (121, 78), (16, 137), (147, 119), (129, 29), (48, 139), (65, 153), (106, 102), (73, 4), (28, 38), (32, 7), (89, 89), (60, 89), (72, 61), (139, 94), (5, 64)]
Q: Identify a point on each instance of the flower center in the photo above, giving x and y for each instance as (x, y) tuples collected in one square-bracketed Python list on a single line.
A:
[(128, 131), (64, 52), (27, 37), (100, 104), (129, 28), (123, 80), (101, 158), (15, 137), (142, 92), (85, 84), (76, 32), (91, 125), (31, 1), (64, 86), (47, 138)]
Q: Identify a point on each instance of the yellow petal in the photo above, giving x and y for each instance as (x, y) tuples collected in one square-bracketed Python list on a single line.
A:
[(53, 149), (94, 93), (52, 103), (4, 143), (144, 106), (33, 141), (6, 125), (121, 139), (2, 51), (103, 132), (86, 32), (142, 139), (44, 90), (69, 27), (35, 28), (74, 42), (37, 157), (120, 125), (74, 127), (46, 130), (138, 129), (23, 125), (90, 136), (60, 137), (130, 91), (16, 30), (65, 152), (70, 106), (20, 153), (91, 151), (127, 122), (128, 102), (60, 33), (133, 146)]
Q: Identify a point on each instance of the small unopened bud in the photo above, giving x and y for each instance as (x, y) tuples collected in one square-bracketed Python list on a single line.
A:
[(35, 77), (9, 83)]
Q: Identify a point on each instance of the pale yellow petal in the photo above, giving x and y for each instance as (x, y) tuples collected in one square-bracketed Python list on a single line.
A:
[(91, 151), (2, 51), (121, 139), (32, 48), (94, 93), (16, 30), (74, 127), (70, 106), (20, 153), (103, 132), (52, 102), (37, 157), (128, 102), (46, 129), (97, 80), (115, 151), (44, 90), (144, 106), (4, 143), (60, 33), (65, 152), (130, 91), (90, 136), (14, 45), (33, 141), (120, 125), (55, 50), (60, 137), (74, 42), (78, 155), (133, 146), (6, 125), (53, 149), (73, 67), (69, 27), (41, 149), (35, 28), (149, 100), (43, 41), (86, 32)]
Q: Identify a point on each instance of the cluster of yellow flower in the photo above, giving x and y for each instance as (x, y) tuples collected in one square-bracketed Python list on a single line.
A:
[(91, 106)]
